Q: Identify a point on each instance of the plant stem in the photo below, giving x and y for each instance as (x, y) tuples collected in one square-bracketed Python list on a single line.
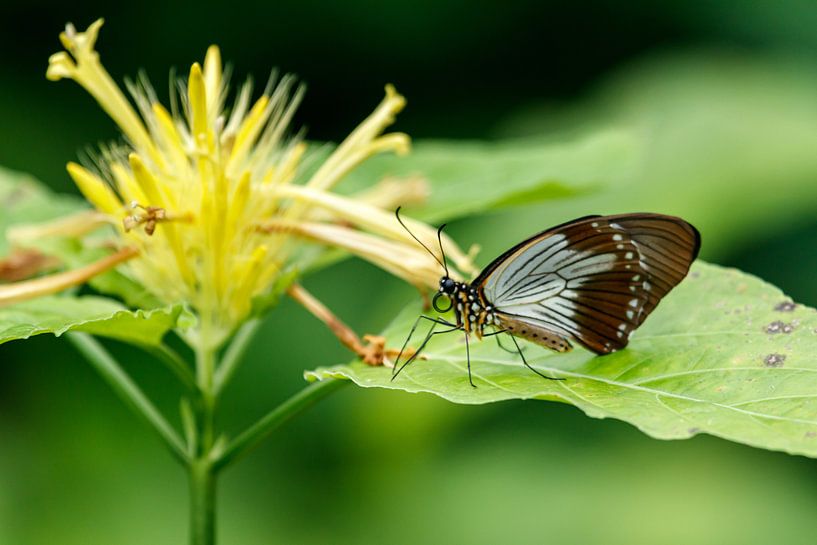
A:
[(205, 373), (128, 391), (201, 473), (202, 502), (283, 412)]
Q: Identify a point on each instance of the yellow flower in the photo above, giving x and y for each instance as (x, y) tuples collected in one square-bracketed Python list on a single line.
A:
[(210, 197)]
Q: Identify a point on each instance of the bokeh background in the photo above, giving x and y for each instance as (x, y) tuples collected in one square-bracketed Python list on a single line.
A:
[(726, 90)]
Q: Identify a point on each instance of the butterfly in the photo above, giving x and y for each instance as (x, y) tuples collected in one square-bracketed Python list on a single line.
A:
[(593, 280)]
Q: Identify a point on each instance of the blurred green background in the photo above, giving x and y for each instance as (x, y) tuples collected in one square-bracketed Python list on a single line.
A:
[(727, 95)]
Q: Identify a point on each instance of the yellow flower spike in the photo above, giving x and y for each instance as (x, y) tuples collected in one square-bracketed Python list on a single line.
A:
[(399, 143), (249, 131), (172, 140), (219, 232), (237, 205), (151, 189), (81, 43), (367, 131), (203, 180), (197, 94), (248, 274), (146, 182), (409, 262), (95, 190), (86, 70), (212, 79), (126, 184), (379, 221), (285, 172), (60, 65)]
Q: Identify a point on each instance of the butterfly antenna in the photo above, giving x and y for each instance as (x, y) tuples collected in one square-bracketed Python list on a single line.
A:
[(420, 242), (440, 241)]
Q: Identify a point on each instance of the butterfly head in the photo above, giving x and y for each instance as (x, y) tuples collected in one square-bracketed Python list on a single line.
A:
[(447, 286), (448, 290)]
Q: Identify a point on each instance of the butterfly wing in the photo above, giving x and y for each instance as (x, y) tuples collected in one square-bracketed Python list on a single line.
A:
[(595, 279)]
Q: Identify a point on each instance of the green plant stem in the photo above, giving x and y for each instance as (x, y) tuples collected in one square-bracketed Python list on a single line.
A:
[(205, 376), (289, 408), (128, 391), (201, 472), (235, 353), (202, 502)]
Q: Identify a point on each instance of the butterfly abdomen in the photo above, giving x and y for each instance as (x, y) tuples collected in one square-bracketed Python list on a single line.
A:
[(542, 337)]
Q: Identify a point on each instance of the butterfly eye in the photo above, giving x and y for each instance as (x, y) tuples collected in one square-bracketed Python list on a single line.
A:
[(436, 303), (447, 285)]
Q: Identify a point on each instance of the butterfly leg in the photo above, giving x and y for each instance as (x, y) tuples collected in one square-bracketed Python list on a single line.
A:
[(521, 355), (468, 359), (495, 334), (434, 323)]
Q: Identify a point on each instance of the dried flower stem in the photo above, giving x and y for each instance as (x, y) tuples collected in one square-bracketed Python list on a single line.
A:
[(373, 352), (21, 291), (343, 332)]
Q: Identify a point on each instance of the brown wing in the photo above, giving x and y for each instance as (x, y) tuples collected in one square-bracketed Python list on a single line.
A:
[(595, 279)]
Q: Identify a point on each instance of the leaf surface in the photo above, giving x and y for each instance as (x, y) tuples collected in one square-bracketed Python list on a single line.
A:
[(25, 200), (89, 314), (468, 177), (725, 354)]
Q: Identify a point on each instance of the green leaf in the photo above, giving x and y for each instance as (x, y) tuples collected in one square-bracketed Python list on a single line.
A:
[(25, 200), (467, 177), (724, 354), (89, 314)]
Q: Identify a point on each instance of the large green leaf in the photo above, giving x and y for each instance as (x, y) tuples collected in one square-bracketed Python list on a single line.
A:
[(467, 177), (25, 200), (95, 315), (724, 354)]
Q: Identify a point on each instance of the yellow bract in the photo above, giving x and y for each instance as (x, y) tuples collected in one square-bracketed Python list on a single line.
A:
[(212, 197)]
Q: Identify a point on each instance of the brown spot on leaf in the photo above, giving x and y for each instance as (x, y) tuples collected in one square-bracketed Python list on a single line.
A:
[(811, 434), (693, 431), (22, 264), (785, 306), (779, 327), (774, 360)]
